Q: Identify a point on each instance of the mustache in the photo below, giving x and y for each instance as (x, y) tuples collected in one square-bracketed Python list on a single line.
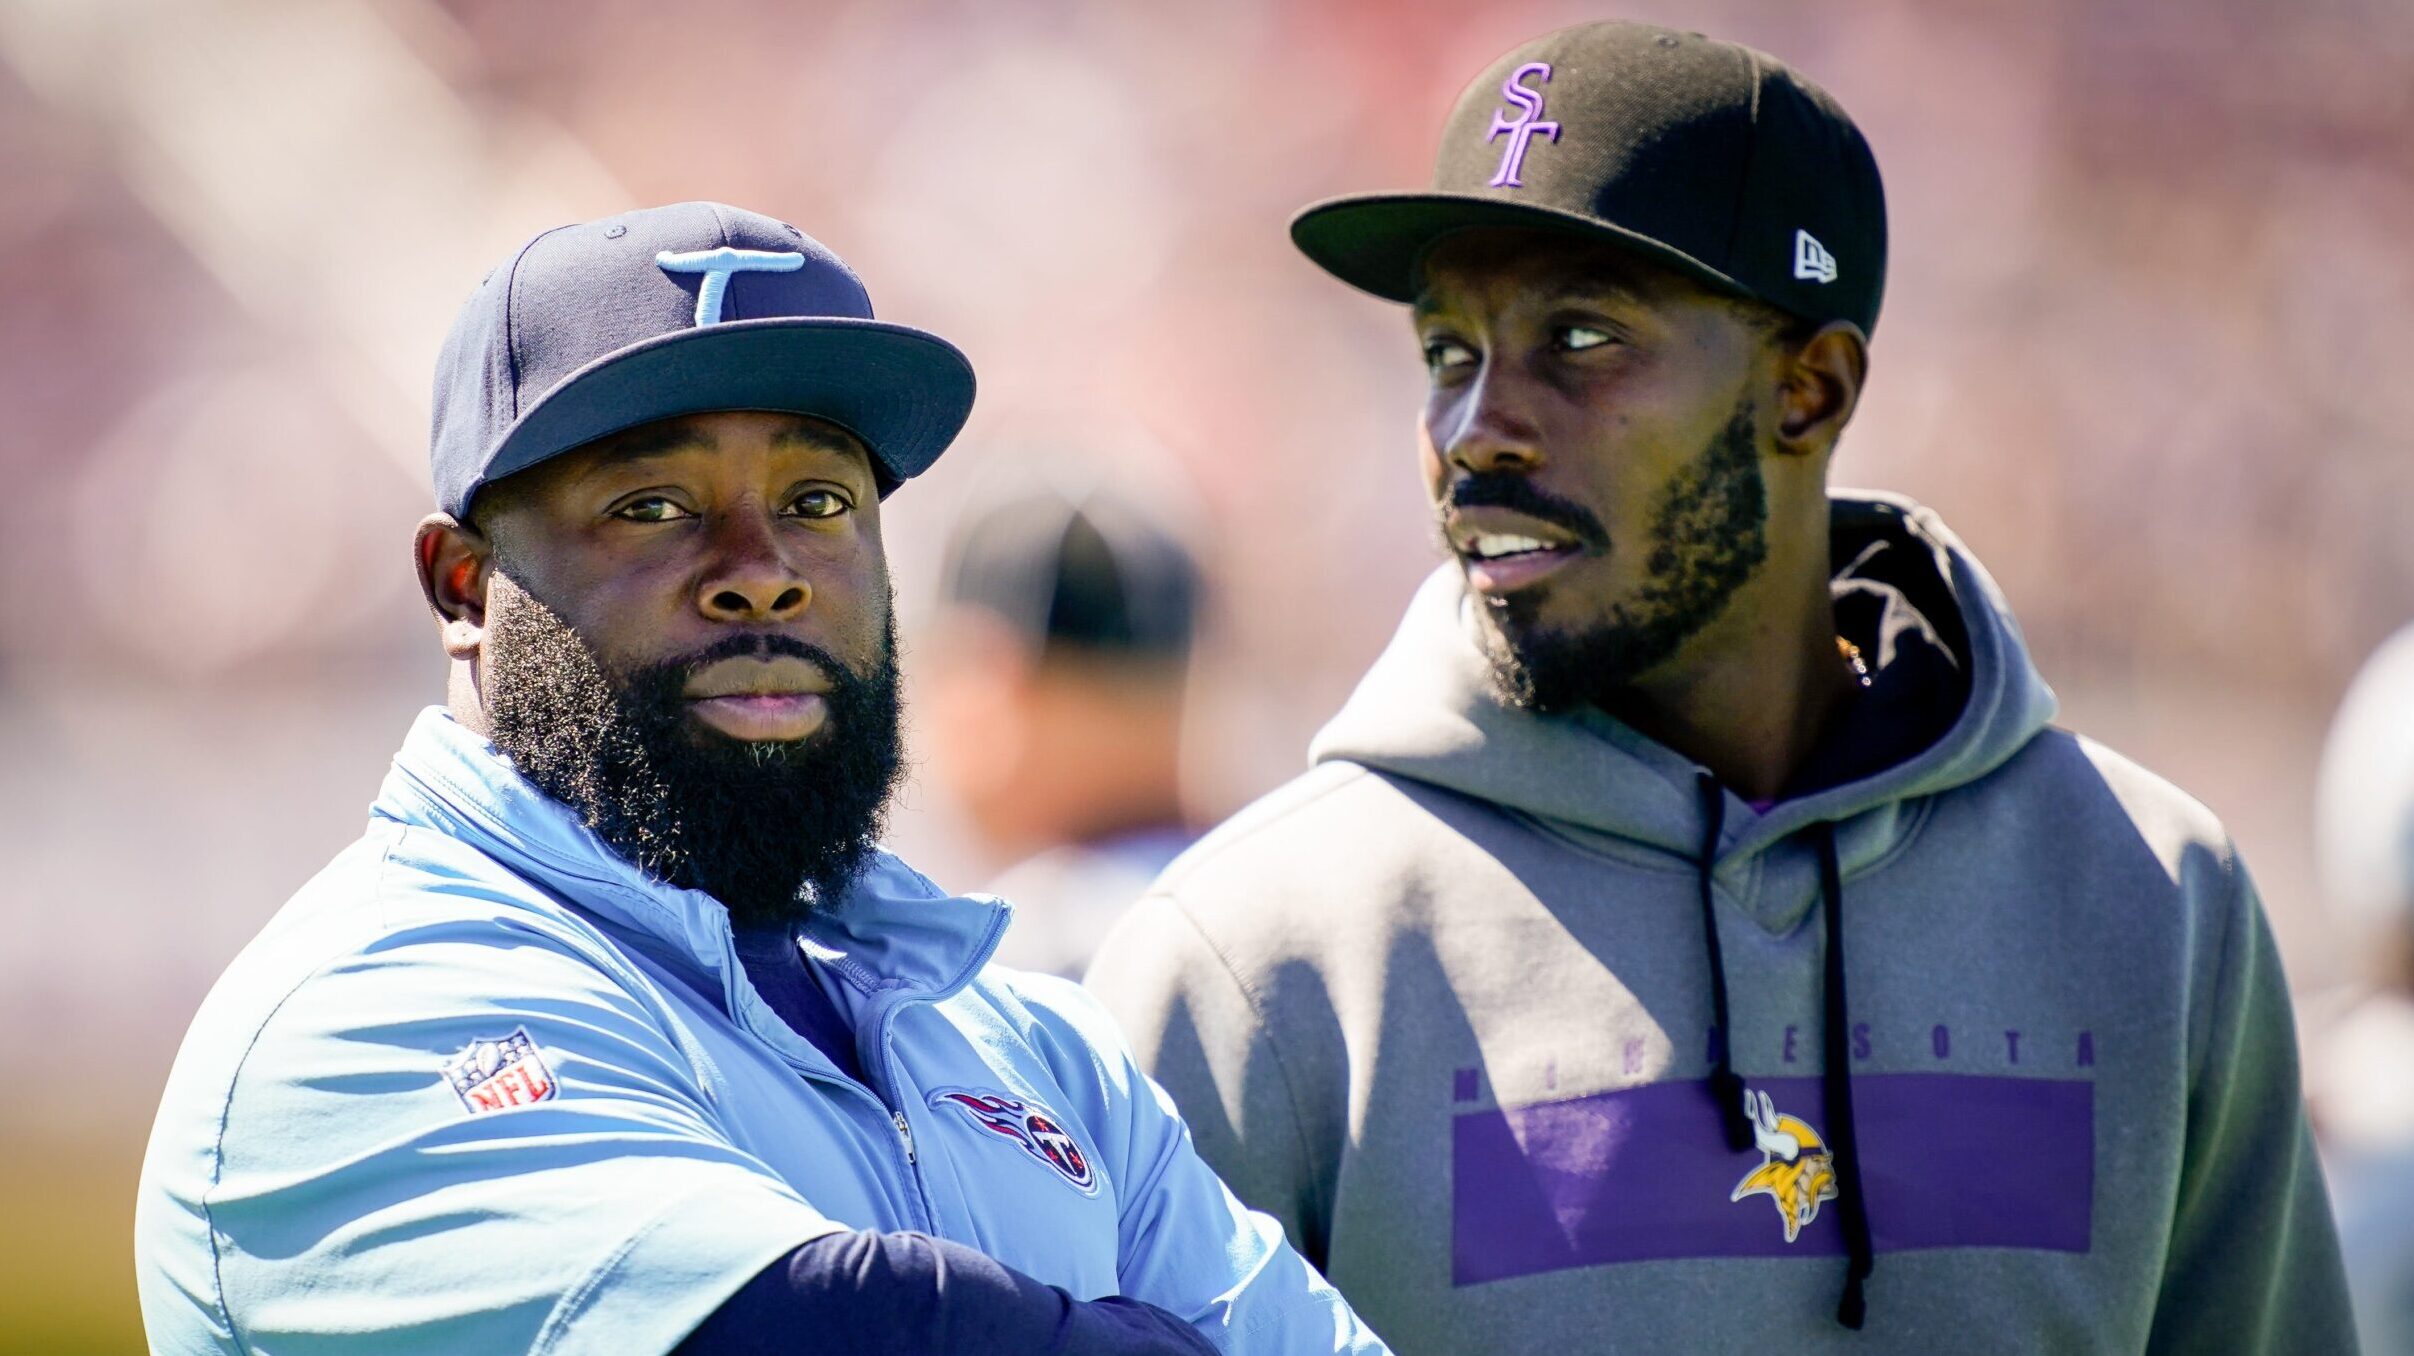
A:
[(752, 645), (1494, 489)]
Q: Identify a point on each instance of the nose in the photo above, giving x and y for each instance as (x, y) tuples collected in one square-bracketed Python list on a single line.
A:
[(1489, 428), (749, 578)]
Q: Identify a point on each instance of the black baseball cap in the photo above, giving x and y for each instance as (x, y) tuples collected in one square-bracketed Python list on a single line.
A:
[(1092, 574), (1707, 157), (594, 328)]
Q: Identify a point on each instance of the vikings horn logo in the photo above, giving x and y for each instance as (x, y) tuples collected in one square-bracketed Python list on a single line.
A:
[(1029, 1126), (1796, 1171)]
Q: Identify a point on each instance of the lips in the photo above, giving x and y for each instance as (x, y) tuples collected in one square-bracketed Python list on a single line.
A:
[(1504, 550), (757, 700)]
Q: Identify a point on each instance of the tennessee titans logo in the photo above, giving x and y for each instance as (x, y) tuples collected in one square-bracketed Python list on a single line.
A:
[(717, 265), (1030, 1127), (1796, 1170), (1521, 127)]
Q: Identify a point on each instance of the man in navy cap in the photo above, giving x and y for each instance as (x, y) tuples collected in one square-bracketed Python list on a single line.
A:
[(1694, 931), (616, 1031)]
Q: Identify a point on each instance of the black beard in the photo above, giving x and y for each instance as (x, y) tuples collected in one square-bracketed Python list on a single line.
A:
[(1709, 533), (766, 828)]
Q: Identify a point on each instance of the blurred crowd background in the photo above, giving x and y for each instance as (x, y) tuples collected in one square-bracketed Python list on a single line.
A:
[(2149, 319)]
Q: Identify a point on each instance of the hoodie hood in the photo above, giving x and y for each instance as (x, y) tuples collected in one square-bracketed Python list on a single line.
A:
[(1427, 710)]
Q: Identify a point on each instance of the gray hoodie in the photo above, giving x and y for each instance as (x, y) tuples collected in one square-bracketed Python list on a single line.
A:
[(1446, 1006)]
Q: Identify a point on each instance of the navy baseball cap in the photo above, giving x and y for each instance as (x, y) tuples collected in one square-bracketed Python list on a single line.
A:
[(1706, 157), (591, 329)]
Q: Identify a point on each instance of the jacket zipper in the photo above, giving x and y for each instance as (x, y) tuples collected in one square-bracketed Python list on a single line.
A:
[(884, 1083), (884, 1073), (918, 1195)]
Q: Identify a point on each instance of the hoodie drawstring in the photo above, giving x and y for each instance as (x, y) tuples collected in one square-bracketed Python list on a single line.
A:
[(1726, 1086), (1835, 1079), (1844, 1149)]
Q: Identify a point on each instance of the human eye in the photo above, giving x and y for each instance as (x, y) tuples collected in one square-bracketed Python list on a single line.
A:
[(819, 501), (1577, 338), (651, 508), (1444, 354)]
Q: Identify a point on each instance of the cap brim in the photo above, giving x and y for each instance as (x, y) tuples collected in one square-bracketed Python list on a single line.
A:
[(1377, 242), (904, 392)]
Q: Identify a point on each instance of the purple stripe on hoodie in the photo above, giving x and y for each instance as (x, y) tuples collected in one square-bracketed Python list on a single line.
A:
[(1641, 1174)]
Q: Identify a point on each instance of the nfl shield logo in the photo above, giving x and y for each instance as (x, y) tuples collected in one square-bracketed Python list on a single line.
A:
[(500, 1072)]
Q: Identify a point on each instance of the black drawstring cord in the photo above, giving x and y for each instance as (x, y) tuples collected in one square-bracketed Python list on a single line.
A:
[(1726, 1086), (1844, 1150)]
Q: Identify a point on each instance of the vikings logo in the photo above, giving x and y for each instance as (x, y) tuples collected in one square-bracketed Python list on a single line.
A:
[(1796, 1172), (1031, 1127)]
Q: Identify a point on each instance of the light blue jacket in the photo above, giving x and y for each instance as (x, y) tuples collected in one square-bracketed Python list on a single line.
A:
[(356, 1152)]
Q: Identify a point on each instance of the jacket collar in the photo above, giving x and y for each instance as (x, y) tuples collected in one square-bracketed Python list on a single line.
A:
[(892, 931)]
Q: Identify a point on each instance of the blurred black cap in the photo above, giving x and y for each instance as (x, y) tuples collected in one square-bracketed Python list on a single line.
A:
[(1707, 157), (1095, 575)]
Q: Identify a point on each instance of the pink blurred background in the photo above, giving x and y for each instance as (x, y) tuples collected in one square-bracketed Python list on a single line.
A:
[(2150, 311)]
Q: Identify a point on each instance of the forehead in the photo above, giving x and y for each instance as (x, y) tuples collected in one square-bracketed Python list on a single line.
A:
[(1494, 268), (718, 431)]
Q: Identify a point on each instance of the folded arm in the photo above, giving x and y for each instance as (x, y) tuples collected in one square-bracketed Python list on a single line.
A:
[(863, 1293)]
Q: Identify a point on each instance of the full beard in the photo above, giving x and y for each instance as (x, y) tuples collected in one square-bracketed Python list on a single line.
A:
[(767, 828), (1709, 533)]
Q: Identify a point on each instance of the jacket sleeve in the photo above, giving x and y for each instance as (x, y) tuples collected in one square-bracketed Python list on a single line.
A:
[(392, 1167), (908, 1294), (1185, 1242), (2253, 1265), (1200, 1033)]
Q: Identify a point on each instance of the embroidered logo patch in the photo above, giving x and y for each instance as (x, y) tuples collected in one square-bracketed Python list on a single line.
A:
[(1796, 1171), (500, 1072), (717, 266), (1522, 126), (1812, 262), (1029, 1126)]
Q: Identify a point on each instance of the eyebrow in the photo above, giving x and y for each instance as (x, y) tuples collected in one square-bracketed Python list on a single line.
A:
[(1595, 281), (642, 444), (821, 435)]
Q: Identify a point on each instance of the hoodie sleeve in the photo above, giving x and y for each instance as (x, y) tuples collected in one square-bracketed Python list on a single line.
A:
[(2253, 1265), (1202, 1035)]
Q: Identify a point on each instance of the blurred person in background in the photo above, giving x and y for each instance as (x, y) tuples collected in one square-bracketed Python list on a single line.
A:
[(2360, 1063), (1693, 929), (616, 1031), (1051, 685)]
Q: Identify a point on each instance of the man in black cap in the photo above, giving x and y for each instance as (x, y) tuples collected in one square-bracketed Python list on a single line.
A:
[(1692, 935), (1052, 684), (616, 1031)]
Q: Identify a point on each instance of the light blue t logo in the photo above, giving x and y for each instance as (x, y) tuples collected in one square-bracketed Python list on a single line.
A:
[(717, 265)]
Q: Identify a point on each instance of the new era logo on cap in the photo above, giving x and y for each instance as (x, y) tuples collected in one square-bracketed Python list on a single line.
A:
[(1811, 259)]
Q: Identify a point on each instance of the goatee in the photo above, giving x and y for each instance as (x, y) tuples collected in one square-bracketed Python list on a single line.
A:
[(1709, 533), (766, 828)]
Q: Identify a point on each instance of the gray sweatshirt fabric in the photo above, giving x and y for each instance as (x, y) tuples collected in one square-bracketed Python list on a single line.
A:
[(1443, 1007)]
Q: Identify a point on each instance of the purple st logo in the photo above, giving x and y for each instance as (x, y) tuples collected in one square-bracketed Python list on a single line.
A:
[(1522, 127)]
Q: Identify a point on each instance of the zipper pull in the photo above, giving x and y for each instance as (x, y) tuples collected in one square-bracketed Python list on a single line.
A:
[(905, 1132)]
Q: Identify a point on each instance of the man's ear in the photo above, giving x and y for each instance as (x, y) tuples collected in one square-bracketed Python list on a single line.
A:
[(1819, 387), (454, 561)]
